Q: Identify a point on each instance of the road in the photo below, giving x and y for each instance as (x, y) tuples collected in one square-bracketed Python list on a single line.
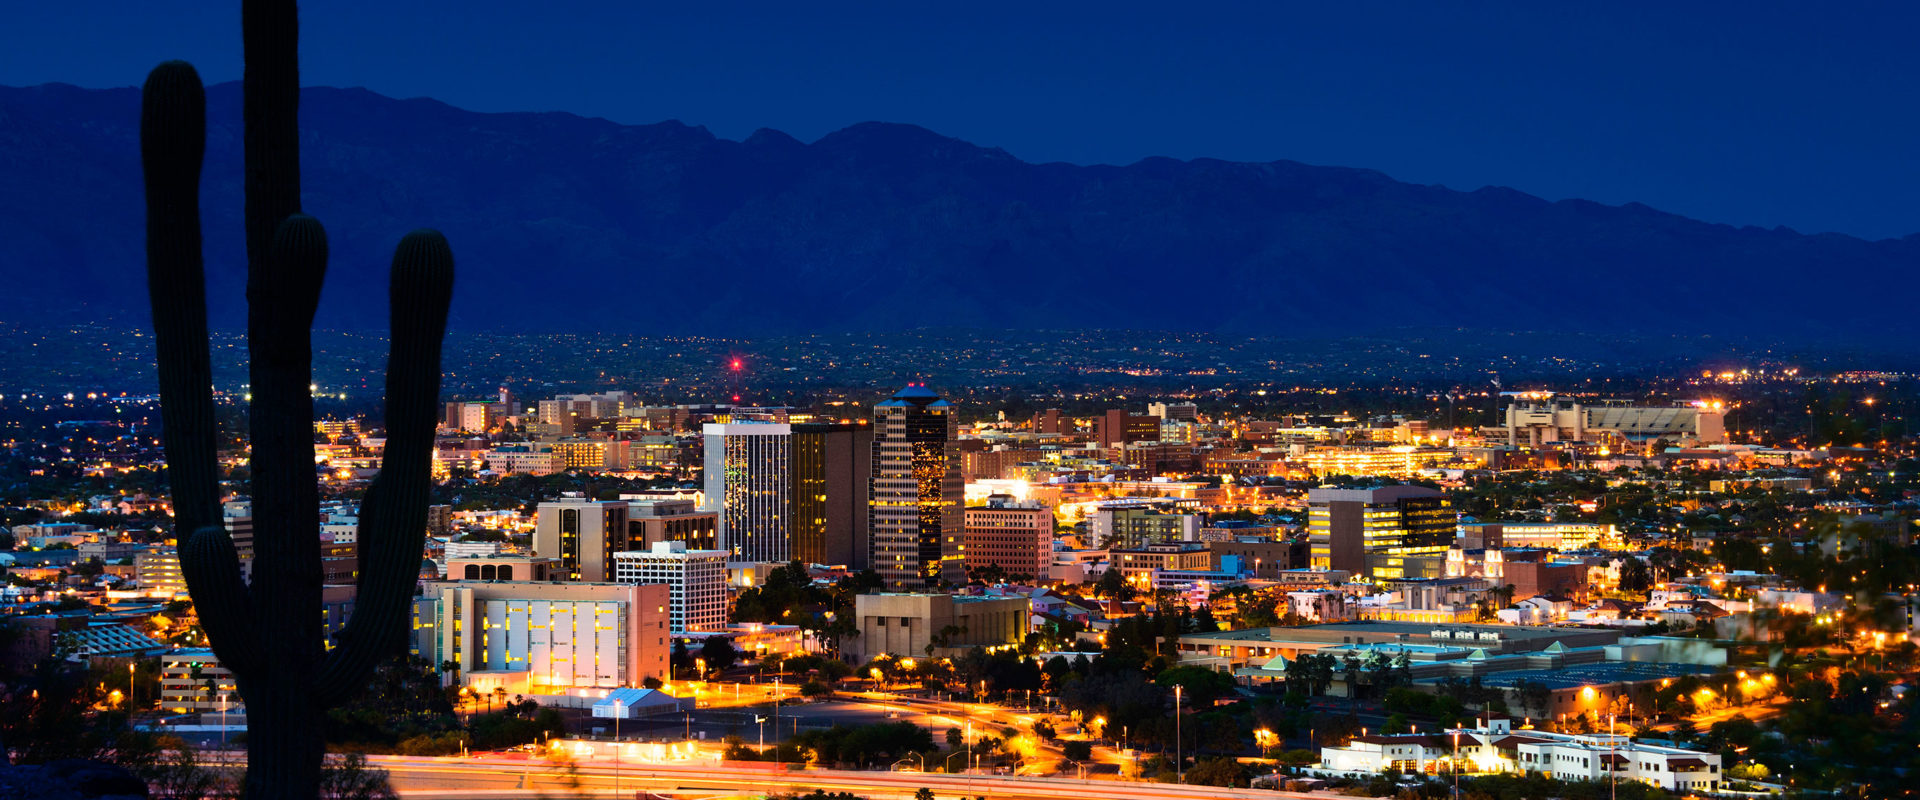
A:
[(1771, 707), (987, 719), (507, 779)]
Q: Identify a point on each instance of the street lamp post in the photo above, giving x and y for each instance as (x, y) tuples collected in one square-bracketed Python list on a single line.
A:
[(129, 690), (1179, 761), (762, 722), (1456, 763), (1613, 780), (619, 710)]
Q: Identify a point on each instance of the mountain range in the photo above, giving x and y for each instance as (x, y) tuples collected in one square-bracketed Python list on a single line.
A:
[(561, 222)]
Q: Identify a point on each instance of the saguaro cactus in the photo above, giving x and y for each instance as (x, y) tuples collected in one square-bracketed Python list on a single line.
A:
[(268, 630)]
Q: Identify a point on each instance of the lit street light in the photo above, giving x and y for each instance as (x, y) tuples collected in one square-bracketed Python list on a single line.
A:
[(619, 711), (1179, 761)]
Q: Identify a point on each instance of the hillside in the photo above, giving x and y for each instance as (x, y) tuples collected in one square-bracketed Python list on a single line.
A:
[(566, 223)]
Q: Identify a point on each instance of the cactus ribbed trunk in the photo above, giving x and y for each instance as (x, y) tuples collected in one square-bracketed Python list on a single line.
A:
[(268, 630), (283, 281)]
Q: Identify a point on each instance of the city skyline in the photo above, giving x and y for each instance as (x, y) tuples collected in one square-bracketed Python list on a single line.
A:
[(883, 462)]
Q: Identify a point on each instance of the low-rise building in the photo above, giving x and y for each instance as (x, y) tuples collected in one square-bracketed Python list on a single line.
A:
[(1321, 605), (914, 624), (193, 680), (562, 635), (159, 571), (502, 567), (1496, 747), (1140, 564)]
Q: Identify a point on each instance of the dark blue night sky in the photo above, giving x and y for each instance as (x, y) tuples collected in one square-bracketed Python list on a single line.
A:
[(1801, 115)]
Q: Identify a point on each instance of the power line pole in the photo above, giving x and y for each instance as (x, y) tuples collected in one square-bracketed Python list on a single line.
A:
[(1179, 761)]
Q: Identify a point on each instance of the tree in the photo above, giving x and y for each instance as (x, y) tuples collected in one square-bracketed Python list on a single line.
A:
[(923, 794), (286, 675), (1219, 772), (719, 654), (680, 663), (1634, 576), (1350, 672), (1203, 621), (1201, 686), (1113, 585), (349, 777), (1077, 750)]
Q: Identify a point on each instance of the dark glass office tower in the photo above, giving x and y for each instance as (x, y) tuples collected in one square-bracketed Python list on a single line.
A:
[(917, 497), (832, 464)]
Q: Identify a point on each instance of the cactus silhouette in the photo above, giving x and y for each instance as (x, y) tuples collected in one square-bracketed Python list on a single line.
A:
[(268, 630)]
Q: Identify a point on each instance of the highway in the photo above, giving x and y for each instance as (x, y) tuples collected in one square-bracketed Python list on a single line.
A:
[(509, 779)]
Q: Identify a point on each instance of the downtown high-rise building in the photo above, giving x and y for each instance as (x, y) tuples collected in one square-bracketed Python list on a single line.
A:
[(584, 534), (1379, 532), (917, 511), (790, 492)]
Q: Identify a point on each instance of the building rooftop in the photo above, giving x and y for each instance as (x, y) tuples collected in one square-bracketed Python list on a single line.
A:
[(1595, 674)]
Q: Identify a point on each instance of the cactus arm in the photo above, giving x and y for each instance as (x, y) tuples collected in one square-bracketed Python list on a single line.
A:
[(173, 136), (394, 513), (212, 571)]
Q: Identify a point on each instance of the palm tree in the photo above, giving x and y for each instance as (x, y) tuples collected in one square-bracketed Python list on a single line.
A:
[(1322, 672), (1299, 674)]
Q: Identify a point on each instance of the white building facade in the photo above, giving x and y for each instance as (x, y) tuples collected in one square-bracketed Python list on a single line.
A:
[(561, 635), (696, 581), (1496, 747)]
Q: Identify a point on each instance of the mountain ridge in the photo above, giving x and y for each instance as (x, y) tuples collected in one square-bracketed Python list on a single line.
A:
[(561, 221)]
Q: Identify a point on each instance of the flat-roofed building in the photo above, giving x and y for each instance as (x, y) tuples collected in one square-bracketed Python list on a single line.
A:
[(1132, 524), (592, 454), (194, 680), (1397, 461), (1017, 537), (654, 520), (503, 567), (159, 571), (917, 520), (1140, 563), (1542, 535), (1263, 558), (1347, 526), (1539, 418), (696, 580), (1116, 427), (562, 635), (523, 459), (791, 491), (1496, 746), (908, 625), (584, 534), (1255, 646)]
